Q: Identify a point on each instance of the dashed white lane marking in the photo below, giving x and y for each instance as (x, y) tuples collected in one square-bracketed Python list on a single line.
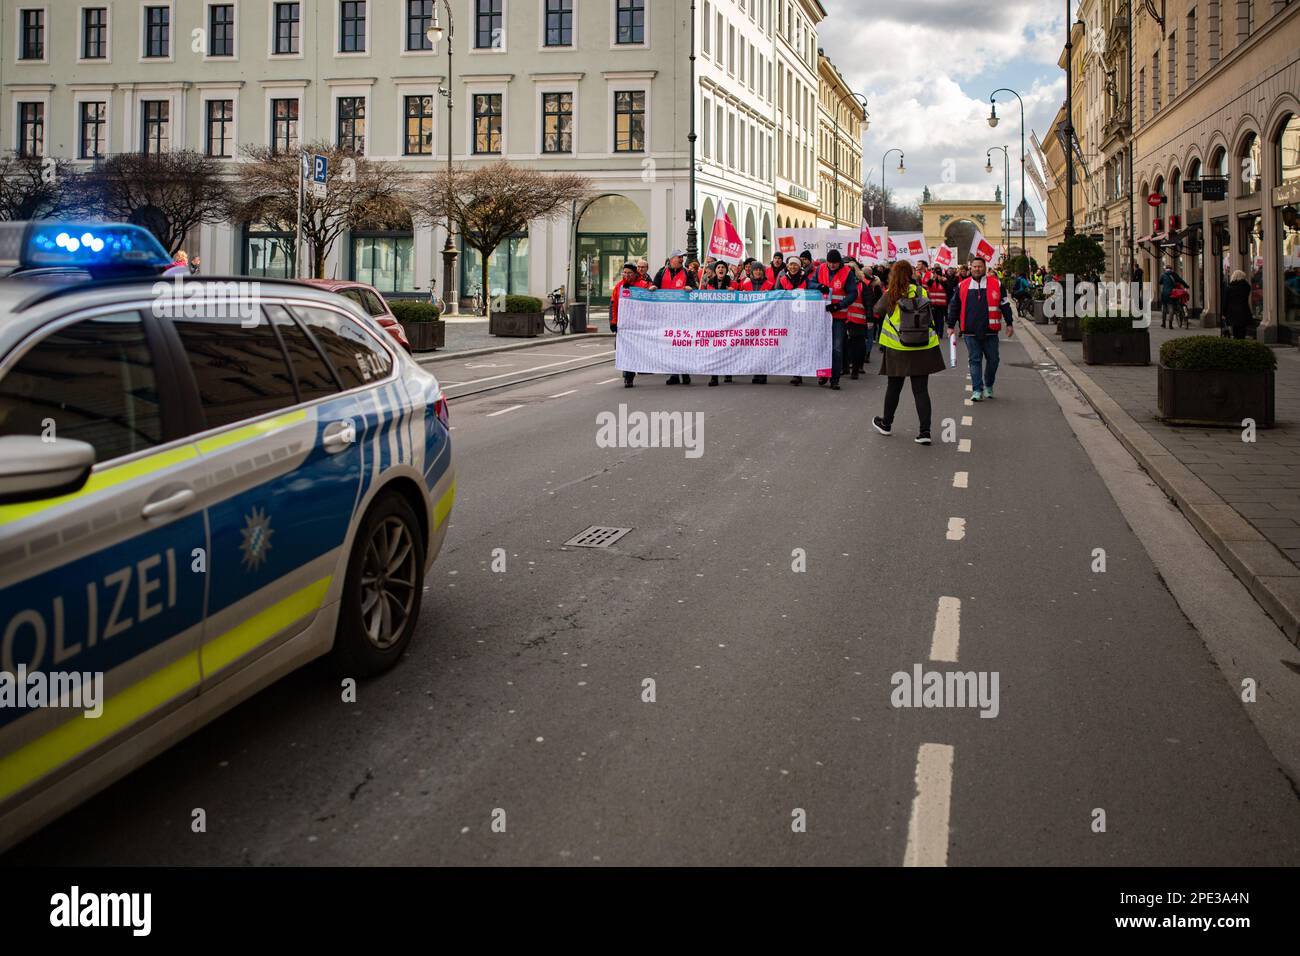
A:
[(968, 403), (503, 411), (963, 444), (927, 829), (956, 529), (967, 420), (960, 479), (527, 369), (572, 391), (968, 388), (947, 630), (617, 378)]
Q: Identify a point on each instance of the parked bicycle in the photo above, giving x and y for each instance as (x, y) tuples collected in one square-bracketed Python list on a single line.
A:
[(557, 317)]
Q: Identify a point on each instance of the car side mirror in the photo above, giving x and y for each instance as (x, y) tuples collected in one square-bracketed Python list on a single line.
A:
[(33, 468)]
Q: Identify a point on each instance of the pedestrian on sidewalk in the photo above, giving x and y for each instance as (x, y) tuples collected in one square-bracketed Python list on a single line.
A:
[(981, 310), (631, 279), (909, 348), (1169, 281), (1236, 304), (1136, 277)]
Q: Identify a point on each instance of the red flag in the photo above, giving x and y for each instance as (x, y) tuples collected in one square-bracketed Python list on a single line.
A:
[(868, 247), (943, 256), (893, 249), (725, 242), (981, 247), (916, 247)]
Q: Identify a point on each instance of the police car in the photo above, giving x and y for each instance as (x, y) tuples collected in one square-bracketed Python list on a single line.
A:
[(204, 484)]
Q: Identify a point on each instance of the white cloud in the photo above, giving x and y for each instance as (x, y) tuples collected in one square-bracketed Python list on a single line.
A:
[(928, 68)]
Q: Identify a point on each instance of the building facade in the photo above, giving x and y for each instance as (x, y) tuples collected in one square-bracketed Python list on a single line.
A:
[(597, 87), (797, 112), (1116, 133), (1218, 98), (842, 119)]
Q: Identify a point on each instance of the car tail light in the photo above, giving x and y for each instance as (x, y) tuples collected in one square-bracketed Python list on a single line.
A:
[(440, 409)]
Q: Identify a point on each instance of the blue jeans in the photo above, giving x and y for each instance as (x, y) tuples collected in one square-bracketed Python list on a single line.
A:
[(837, 349), (982, 350)]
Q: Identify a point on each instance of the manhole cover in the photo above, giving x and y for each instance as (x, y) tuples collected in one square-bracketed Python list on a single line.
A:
[(597, 536)]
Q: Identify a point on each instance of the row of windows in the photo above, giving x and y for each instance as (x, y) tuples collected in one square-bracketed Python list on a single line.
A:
[(730, 139), (353, 33), (629, 125), (737, 55)]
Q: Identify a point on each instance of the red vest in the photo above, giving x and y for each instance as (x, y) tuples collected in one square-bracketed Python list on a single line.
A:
[(679, 281), (747, 285), (858, 307), (836, 284), (994, 291), (785, 283), (937, 292)]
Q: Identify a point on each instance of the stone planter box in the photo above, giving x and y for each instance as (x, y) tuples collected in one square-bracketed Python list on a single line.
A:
[(1117, 348), (517, 325), (1070, 328), (1215, 398), (425, 336), (1040, 313)]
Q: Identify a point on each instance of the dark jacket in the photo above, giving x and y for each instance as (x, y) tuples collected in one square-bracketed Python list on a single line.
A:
[(850, 290), (1169, 280), (1236, 303)]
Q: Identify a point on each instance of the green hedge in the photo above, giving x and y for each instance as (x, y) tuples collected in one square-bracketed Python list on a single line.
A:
[(1215, 353), (1108, 324), (408, 310), (526, 304)]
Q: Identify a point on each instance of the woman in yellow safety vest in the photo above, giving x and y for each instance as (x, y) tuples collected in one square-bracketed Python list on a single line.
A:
[(909, 348)]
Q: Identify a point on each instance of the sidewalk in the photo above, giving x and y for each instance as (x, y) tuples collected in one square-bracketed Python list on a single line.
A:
[(1244, 498), (466, 334)]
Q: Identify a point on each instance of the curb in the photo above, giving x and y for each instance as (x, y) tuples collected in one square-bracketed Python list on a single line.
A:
[(1272, 577), (514, 346)]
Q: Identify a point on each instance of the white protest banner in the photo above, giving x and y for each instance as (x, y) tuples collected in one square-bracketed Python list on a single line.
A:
[(981, 247), (911, 246), (725, 243), (945, 256), (818, 242), (723, 333)]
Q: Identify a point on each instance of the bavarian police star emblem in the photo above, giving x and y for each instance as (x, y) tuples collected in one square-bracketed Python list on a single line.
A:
[(256, 542)]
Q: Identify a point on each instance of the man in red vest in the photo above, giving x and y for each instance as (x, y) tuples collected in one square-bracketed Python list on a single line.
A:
[(674, 277), (980, 310), (841, 287), (631, 280), (757, 281), (937, 292)]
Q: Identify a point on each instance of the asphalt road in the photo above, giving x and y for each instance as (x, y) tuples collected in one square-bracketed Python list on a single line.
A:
[(522, 696)]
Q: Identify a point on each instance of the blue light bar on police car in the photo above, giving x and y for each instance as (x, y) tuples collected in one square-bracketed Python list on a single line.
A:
[(102, 248)]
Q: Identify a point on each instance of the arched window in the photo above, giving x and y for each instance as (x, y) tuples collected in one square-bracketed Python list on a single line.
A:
[(1250, 172), (1194, 173), (1286, 151)]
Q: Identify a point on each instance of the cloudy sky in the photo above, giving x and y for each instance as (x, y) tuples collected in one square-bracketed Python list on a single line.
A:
[(927, 68)]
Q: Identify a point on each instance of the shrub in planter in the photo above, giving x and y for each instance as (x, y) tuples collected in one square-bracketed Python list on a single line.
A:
[(422, 323), (1112, 340), (1210, 380), (522, 318)]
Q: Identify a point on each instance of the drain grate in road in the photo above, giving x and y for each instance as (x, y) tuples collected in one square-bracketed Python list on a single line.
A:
[(597, 536)]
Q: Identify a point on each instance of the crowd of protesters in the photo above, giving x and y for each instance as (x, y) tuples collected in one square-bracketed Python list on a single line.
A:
[(870, 305)]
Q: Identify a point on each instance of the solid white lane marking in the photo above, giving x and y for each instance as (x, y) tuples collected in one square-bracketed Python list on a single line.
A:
[(531, 368), (617, 378), (927, 829), (572, 391), (967, 420), (960, 479), (956, 529), (947, 630), (963, 444), (503, 411)]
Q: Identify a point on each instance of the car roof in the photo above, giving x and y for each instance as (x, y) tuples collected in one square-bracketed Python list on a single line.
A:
[(27, 302), (334, 285)]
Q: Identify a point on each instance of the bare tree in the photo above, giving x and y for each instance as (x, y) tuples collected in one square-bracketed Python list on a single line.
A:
[(170, 194), (489, 204), (898, 217), (358, 191), (34, 187)]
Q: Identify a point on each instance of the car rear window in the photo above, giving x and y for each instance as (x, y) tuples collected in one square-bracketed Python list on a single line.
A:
[(357, 358)]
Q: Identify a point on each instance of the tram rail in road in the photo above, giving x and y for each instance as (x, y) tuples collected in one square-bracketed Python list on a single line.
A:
[(480, 372)]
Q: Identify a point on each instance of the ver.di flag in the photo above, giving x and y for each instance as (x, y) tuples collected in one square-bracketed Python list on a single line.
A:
[(944, 256), (725, 242), (979, 246), (868, 247)]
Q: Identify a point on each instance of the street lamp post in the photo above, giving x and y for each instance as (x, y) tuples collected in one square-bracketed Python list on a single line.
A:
[(435, 33), (884, 203), (692, 233), (1006, 185), (1069, 120), (993, 121)]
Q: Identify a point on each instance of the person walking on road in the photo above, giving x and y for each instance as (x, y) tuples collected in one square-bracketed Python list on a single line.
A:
[(841, 286), (631, 279), (720, 280), (980, 309), (796, 278), (674, 277), (758, 281), (857, 330), (909, 348), (937, 293)]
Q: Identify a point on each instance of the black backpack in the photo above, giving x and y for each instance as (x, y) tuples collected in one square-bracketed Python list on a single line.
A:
[(914, 321)]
